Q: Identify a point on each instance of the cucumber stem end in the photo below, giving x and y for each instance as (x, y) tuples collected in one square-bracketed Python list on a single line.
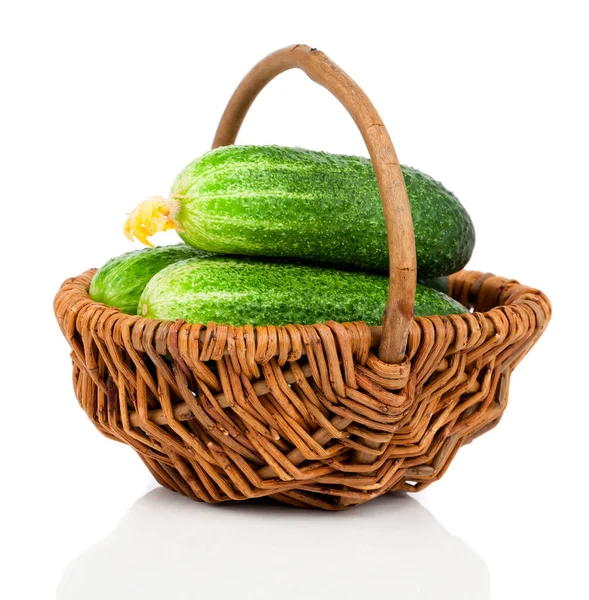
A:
[(151, 216)]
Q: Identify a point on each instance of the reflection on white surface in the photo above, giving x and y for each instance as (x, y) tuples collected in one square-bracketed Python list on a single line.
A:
[(168, 547)]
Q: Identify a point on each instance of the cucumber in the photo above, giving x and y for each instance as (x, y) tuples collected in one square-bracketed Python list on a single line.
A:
[(314, 206), (442, 284), (240, 291), (121, 280)]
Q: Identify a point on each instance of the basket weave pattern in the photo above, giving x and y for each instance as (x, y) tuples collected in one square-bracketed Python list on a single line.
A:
[(306, 414)]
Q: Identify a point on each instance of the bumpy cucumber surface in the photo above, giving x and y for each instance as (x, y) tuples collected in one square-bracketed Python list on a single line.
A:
[(245, 291), (315, 206), (121, 280)]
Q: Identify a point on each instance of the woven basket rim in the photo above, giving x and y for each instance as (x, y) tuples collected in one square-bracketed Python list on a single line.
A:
[(509, 293)]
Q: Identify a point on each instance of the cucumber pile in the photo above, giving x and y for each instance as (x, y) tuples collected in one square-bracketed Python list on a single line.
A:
[(279, 235)]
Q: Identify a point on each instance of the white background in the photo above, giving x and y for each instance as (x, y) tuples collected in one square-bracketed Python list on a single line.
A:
[(103, 103)]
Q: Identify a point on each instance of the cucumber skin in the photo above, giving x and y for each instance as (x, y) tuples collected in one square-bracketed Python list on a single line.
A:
[(442, 284), (240, 291), (121, 280), (314, 206)]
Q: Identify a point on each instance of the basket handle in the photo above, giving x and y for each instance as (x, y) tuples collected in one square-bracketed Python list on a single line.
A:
[(402, 261)]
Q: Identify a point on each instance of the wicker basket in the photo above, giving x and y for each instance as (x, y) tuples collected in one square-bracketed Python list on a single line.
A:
[(328, 415)]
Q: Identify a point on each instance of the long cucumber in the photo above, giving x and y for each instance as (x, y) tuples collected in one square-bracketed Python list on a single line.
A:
[(120, 281), (304, 205), (244, 291)]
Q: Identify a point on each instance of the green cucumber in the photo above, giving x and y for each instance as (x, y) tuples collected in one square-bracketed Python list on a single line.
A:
[(236, 291), (314, 206), (442, 284), (121, 280)]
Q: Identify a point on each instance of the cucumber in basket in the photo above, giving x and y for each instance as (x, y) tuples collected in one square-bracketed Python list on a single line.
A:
[(442, 283), (302, 204), (121, 280), (238, 291)]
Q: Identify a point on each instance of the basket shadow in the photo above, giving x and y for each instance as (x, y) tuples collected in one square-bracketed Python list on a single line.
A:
[(167, 546)]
